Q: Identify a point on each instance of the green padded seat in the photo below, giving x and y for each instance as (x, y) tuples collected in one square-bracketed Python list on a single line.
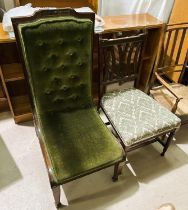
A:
[(137, 116), (58, 58), (77, 143)]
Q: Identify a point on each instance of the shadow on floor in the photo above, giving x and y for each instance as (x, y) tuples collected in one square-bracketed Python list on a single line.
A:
[(148, 164), (182, 135), (97, 191), (27, 124), (9, 171)]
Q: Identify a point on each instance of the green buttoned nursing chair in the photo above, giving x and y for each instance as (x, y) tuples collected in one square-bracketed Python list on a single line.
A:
[(56, 48), (136, 118)]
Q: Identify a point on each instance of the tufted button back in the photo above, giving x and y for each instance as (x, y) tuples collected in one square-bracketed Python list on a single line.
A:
[(45, 69), (60, 42), (40, 43), (79, 39), (59, 81)]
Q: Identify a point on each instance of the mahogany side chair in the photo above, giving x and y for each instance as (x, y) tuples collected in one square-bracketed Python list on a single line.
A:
[(136, 118), (56, 50)]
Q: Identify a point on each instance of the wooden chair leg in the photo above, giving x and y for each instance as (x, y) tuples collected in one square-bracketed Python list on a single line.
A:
[(164, 137), (56, 193), (117, 171), (169, 139), (174, 108)]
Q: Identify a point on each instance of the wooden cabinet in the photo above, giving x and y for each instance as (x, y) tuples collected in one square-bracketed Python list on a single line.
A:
[(3, 99), (13, 83)]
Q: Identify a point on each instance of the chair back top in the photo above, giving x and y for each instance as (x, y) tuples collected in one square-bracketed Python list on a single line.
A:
[(121, 58), (56, 49), (174, 54)]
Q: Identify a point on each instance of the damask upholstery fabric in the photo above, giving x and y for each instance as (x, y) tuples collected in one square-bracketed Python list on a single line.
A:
[(137, 116), (57, 53)]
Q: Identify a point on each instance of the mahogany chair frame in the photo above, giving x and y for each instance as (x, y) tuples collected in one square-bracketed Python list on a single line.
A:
[(109, 68), (110, 74)]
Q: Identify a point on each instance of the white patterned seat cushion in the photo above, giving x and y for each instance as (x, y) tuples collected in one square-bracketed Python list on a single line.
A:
[(136, 116)]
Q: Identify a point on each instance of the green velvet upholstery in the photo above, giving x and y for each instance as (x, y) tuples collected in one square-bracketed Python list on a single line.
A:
[(137, 116), (78, 142), (57, 53), (57, 63)]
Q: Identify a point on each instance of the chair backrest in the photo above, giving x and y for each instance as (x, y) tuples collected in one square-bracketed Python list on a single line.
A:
[(56, 48), (174, 54), (121, 58)]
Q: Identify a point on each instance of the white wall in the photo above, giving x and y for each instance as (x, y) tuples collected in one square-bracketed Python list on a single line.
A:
[(2, 4), (160, 9), (7, 4)]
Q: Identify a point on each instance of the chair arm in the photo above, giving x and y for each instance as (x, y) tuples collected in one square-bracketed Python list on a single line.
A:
[(171, 90), (167, 86)]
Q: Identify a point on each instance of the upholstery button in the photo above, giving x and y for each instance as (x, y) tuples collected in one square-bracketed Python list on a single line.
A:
[(82, 85), (56, 79), (60, 41), (62, 66), (53, 56), (73, 76), (40, 43), (70, 53), (58, 100), (80, 64), (79, 39), (45, 69), (48, 92), (74, 97), (64, 88)]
